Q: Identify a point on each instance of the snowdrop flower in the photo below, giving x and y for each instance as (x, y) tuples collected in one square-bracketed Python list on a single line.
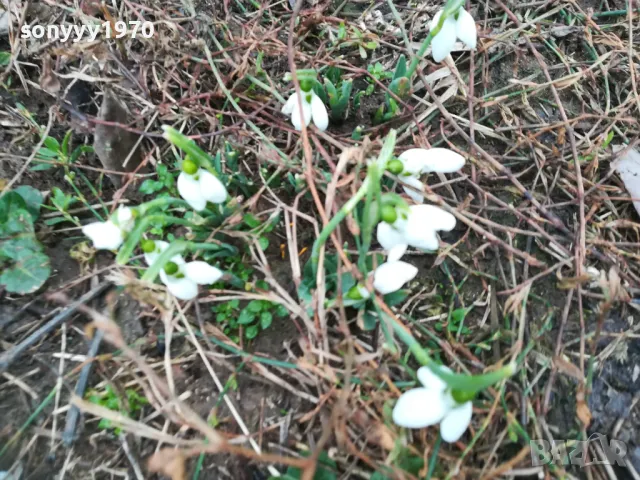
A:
[(389, 277), (417, 229), (312, 109), (152, 250), (199, 186), (417, 161), (430, 404), (182, 279), (109, 235), (463, 27)]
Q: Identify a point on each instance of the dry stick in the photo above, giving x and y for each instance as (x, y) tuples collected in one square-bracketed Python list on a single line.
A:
[(10, 355), (68, 436), (493, 162)]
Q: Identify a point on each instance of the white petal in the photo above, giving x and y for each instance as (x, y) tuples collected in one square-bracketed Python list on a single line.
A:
[(412, 161), (419, 408), (306, 112), (391, 276), (189, 189), (211, 188), (430, 380), (319, 113), (456, 422), (389, 236), (417, 187), (364, 293), (434, 159), (104, 235), (291, 103), (124, 217), (444, 41), (182, 288), (466, 29), (396, 253), (436, 217), (201, 272)]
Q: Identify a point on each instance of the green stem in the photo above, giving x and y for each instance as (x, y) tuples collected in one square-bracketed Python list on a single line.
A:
[(176, 248), (434, 457), (455, 381), (136, 234), (146, 207), (346, 209)]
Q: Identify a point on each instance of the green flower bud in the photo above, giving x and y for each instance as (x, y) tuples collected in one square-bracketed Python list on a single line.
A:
[(395, 166), (357, 133), (388, 214), (462, 396), (354, 293), (148, 246), (171, 268), (306, 84), (189, 166)]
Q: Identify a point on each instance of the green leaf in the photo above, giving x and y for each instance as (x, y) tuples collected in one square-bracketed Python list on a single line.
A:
[(395, 298), (10, 203), (401, 68), (5, 58), (52, 144), (150, 186), (65, 148), (265, 320), (29, 270), (32, 198), (326, 468), (254, 306), (264, 243), (251, 332), (401, 87), (246, 317), (370, 320), (47, 153), (41, 167)]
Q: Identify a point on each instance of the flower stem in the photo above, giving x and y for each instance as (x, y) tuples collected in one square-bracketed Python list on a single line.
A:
[(455, 381), (136, 234), (175, 248)]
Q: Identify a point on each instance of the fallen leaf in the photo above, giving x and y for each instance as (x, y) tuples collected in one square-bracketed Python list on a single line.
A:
[(565, 366), (114, 144), (582, 410), (169, 462), (628, 167), (48, 80)]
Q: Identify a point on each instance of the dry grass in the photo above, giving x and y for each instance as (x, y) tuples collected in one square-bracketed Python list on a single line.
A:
[(532, 109)]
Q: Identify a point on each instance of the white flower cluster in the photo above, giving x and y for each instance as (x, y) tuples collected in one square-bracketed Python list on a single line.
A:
[(312, 109), (460, 26)]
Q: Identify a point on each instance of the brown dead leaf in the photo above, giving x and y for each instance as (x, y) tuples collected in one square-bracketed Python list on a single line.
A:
[(48, 80), (582, 410), (381, 435), (169, 462), (565, 366), (570, 283)]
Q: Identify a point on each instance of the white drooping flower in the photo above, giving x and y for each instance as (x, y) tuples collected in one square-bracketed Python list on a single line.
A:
[(200, 186), (390, 277), (109, 235), (417, 230), (431, 404), (183, 282), (463, 28), (418, 161), (312, 109)]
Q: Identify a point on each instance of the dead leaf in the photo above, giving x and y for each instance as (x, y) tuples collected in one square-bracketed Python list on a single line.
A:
[(582, 410), (169, 462), (628, 167), (114, 144), (570, 283), (48, 80), (565, 366)]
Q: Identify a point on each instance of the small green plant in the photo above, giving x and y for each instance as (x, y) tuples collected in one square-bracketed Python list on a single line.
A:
[(400, 87), (25, 266), (255, 317), (54, 153), (354, 37), (110, 399), (336, 92)]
